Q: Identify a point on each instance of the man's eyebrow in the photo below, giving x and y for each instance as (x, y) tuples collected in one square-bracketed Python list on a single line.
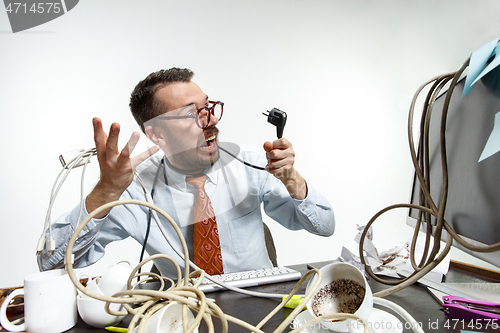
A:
[(189, 104), (192, 103)]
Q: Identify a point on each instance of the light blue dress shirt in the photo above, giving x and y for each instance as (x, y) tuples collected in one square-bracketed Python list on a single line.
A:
[(236, 192)]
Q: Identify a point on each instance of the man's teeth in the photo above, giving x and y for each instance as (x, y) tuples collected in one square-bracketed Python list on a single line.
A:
[(210, 138), (209, 142)]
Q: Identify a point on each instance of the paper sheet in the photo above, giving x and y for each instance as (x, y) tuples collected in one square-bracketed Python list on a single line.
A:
[(478, 62), (493, 144), (398, 258)]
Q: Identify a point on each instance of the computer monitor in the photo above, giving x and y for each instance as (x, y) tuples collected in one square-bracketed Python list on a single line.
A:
[(473, 204)]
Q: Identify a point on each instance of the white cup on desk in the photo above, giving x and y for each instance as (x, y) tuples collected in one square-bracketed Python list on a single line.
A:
[(49, 303), (93, 311), (168, 320), (343, 289), (115, 278)]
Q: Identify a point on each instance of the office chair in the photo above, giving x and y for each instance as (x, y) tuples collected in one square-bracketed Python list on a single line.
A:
[(271, 249)]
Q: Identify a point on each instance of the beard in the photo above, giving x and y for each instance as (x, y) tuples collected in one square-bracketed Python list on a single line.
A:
[(191, 160)]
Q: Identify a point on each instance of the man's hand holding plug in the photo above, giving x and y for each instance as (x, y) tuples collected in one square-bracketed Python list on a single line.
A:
[(280, 159)]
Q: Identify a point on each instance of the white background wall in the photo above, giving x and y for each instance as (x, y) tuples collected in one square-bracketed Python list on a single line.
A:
[(344, 71)]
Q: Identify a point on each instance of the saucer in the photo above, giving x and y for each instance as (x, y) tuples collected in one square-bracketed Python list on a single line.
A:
[(379, 322)]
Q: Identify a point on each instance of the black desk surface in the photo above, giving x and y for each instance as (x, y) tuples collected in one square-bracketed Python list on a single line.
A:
[(414, 299)]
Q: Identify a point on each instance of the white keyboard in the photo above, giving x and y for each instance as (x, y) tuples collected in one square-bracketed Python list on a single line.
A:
[(251, 278)]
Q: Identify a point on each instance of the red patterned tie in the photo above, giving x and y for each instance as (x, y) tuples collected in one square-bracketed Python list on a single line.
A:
[(206, 245)]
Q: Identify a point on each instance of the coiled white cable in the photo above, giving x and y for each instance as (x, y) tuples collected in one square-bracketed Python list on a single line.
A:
[(181, 291), (75, 162)]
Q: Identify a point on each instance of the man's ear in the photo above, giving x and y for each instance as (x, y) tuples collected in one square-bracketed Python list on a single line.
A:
[(156, 136)]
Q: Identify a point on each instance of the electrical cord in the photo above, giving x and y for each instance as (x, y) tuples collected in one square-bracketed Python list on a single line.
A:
[(148, 228), (181, 291), (82, 192), (240, 160), (147, 302), (427, 207), (75, 162)]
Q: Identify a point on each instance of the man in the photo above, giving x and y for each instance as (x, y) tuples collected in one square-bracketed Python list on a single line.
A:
[(178, 117)]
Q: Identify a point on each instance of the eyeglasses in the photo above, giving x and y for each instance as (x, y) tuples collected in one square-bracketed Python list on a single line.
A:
[(201, 115)]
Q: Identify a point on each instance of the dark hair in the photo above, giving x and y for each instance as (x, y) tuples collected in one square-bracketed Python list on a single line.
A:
[(143, 103)]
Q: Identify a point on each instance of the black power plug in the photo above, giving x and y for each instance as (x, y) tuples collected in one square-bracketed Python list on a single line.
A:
[(278, 119)]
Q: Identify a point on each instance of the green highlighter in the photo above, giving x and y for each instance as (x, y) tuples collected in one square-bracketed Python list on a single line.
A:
[(293, 302), (117, 329)]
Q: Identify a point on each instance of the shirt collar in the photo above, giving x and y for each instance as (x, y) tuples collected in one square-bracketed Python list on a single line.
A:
[(178, 180)]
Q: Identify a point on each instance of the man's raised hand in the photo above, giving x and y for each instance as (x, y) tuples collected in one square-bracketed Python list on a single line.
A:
[(117, 168)]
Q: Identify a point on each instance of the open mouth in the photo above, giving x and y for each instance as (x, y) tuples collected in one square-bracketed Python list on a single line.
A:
[(210, 144)]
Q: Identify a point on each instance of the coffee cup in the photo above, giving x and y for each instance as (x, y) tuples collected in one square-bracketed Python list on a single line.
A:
[(168, 320), (93, 312), (49, 303), (115, 278), (91, 285), (343, 289)]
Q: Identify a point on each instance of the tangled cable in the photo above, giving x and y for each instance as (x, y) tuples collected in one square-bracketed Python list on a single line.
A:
[(82, 158), (147, 302), (427, 207)]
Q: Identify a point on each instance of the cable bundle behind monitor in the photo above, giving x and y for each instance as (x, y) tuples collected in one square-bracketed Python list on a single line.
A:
[(427, 205)]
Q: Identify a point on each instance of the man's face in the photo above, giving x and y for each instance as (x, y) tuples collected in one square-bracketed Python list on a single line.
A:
[(187, 146)]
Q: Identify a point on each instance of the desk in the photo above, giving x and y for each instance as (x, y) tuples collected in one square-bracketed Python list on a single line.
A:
[(414, 299)]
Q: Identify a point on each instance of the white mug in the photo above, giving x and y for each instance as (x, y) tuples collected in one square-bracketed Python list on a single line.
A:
[(334, 272), (49, 303), (168, 320), (115, 278), (93, 311), (91, 285)]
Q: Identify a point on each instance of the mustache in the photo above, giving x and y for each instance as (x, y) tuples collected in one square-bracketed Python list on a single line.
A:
[(208, 132)]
